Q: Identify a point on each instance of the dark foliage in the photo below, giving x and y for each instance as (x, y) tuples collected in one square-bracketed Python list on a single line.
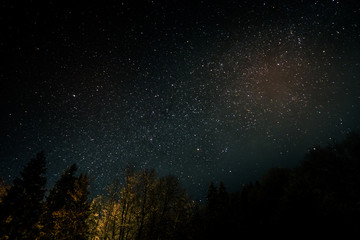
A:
[(66, 208), (321, 195), (3, 189), (21, 207), (25, 215)]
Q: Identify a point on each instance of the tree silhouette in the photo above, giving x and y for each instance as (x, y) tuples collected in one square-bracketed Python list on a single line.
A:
[(321, 194), (170, 213), (326, 186), (21, 207), (216, 213)]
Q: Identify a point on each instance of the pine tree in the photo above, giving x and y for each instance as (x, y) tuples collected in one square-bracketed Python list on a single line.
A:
[(67, 208), (59, 194), (216, 211), (223, 196), (21, 208), (211, 197)]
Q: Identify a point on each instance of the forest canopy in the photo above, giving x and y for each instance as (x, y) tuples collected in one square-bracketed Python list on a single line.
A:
[(322, 192)]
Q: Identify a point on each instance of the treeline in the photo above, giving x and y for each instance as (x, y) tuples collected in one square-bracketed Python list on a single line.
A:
[(321, 194), (145, 207), (25, 213)]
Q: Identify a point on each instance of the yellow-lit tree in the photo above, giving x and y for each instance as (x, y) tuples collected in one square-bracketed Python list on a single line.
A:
[(3, 189), (67, 208), (147, 207)]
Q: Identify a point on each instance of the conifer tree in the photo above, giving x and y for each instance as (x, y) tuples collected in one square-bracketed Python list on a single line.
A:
[(21, 208), (216, 211), (211, 197), (67, 209)]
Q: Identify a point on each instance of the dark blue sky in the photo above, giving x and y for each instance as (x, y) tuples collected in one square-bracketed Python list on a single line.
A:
[(219, 90)]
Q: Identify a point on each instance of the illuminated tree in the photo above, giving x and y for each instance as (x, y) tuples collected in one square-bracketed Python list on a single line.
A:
[(3, 189), (67, 208), (105, 214), (95, 217), (146, 207)]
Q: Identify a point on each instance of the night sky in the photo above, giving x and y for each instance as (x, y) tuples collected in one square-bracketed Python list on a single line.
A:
[(207, 91)]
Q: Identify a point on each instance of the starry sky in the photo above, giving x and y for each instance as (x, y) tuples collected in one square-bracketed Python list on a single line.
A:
[(204, 90)]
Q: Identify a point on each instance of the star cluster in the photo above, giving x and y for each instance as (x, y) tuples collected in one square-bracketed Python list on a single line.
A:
[(205, 91)]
